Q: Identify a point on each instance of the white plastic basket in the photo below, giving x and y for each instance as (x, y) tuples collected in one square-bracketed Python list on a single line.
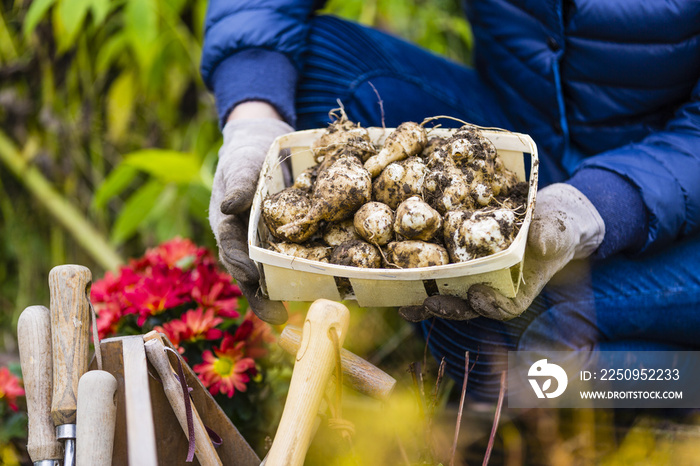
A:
[(287, 278)]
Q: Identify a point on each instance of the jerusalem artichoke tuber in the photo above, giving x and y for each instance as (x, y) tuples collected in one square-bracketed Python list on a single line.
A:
[(406, 140)]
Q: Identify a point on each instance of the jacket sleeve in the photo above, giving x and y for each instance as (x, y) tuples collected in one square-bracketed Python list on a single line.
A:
[(252, 51), (665, 169)]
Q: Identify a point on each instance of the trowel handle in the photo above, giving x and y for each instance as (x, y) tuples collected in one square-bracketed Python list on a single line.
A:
[(204, 448), (96, 418), (315, 361), (358, 373), (70, 325), (34, 338)]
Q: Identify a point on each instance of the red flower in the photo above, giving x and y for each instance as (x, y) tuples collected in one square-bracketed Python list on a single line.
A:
[(163, 289), (213, 289), (10, 388), (108, 315), (177, 252), (226, 370), (109, 297), (179, 279), (195, 325), (104, 289), (112, 287), (256, 334)]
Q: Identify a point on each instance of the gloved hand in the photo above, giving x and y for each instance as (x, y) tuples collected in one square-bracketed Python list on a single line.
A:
[(246, 143), (565, 226)]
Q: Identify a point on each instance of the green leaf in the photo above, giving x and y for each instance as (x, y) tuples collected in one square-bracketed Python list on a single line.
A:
[(110, 51), (173, 221), (136, 209), (175, 6), (206, 136), (37, 10), (198, 203), (100, 10), (72, 14), (14, 427), (8, 42), (168, 166), (120, 105), (209, 167), (199, 20), (141, 28), (112, 186)]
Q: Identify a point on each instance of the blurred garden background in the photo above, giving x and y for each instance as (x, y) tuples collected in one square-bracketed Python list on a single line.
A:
[(108, 143)]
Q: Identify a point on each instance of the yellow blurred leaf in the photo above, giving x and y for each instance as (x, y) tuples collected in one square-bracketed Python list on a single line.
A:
[(8, 455), (120, 105)]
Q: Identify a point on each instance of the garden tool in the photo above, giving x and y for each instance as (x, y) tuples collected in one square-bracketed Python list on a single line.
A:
[(135, 435), (144, 434), (70, 325), (34, 338), (203, 446), (96, 417), (324, 332), (358, 374)]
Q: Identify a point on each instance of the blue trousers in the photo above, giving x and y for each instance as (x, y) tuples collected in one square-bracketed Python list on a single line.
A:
[(651, 302)]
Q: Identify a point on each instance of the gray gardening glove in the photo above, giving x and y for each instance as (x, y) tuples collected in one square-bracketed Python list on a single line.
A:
[(565, 226), (246, 142)]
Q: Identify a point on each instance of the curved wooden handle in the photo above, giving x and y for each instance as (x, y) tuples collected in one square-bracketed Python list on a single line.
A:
[(358, 373), (204, 449), (96, 418), (70, 326), (34, 338), (314, 364)]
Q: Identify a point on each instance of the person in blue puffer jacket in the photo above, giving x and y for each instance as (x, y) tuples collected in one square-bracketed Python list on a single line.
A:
[(608, 89)]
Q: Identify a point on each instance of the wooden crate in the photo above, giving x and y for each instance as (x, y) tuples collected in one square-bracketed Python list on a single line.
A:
[(287, 278)]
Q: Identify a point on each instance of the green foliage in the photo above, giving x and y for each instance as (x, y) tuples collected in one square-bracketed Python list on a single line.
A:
[(104, 97), (115, 77), (437, 25)]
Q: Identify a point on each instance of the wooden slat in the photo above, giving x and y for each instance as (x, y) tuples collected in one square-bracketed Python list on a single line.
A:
[(140, 432)]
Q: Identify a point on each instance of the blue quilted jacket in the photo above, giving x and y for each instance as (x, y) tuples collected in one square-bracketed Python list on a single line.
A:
[(614, 84)]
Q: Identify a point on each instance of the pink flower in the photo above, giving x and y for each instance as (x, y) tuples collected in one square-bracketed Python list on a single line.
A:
[(226, 370), (10, 388)]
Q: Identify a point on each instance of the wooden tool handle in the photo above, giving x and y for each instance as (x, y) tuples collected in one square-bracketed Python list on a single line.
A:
[(314, 364), (70, 326), (34, 338), (204, 449), (96, 418), (358, 373)]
